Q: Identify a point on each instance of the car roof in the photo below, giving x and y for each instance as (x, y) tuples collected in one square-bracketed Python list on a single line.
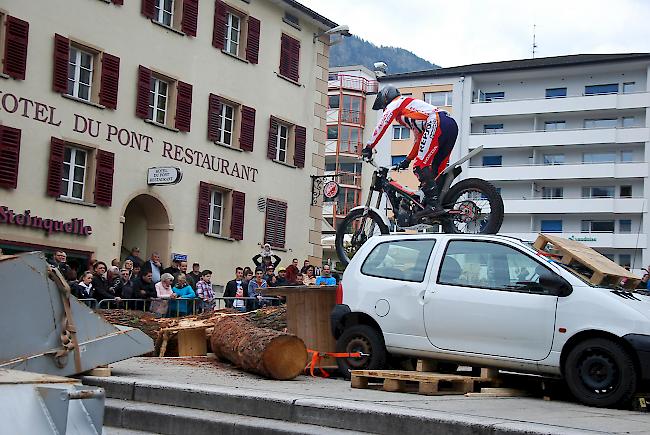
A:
[(442, 236)]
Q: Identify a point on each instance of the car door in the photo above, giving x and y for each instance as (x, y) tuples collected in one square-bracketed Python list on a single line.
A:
[(486, 299)]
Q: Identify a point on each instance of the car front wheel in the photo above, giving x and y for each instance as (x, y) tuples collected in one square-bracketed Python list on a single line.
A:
[(600, 372), (366, 340)]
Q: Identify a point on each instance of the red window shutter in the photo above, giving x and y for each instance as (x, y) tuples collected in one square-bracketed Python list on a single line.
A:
[(183, 106), (273, 140), (284, 55), (253, 42), (118, 2), (190, 17), (203, 208), (237, 215), (269, 222), (214, 118), (275, 224), (9, 155), (144, 85), (16, 38), (61, 57), (109, 81), (281, 225), (299, 151), (290, 57), (148, 8), (55, 167), (105, 164), (219, 31), (294, 67), (247, 133)]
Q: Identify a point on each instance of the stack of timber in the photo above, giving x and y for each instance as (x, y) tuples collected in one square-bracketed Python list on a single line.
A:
[(586, 262)]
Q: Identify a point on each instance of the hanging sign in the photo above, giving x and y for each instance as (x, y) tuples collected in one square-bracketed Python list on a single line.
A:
[(164, 175), (330, 189)]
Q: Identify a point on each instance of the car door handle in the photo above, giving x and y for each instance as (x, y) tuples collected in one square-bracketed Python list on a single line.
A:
[(422, 296)]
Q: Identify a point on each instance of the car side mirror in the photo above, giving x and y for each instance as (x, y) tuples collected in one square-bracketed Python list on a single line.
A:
[(556, 284)]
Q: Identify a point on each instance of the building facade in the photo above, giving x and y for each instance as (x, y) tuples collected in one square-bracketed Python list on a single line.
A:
[(233, 94), (565, 139)]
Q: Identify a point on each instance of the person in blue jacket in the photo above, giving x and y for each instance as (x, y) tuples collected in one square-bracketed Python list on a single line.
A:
[(326, 278), (183, 290)]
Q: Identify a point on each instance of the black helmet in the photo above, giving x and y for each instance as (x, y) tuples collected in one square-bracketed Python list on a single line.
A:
[(387, 94)]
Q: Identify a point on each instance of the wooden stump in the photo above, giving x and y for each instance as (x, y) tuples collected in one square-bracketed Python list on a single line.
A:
[(273, 354)]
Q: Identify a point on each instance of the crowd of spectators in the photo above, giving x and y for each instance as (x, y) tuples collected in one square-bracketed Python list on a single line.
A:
[(186, 291)]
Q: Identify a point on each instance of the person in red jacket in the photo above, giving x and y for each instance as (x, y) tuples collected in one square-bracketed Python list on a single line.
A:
[(434, 133)]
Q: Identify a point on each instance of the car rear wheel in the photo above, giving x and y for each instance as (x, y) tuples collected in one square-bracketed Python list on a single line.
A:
[(600, 372), (364, 339)]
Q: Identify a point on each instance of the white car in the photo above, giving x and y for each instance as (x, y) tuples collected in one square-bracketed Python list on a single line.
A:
[(491, 301)]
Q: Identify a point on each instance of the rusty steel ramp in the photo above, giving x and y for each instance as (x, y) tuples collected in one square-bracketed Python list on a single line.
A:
[(44, 329)]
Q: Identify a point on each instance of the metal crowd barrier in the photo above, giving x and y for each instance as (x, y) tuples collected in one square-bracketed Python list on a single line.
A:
[(90, 302)]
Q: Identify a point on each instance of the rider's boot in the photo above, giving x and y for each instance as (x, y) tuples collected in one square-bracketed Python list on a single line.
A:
[(428, 187)]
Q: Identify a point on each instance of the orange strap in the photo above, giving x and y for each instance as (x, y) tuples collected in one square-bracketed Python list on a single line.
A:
[(317, 357)]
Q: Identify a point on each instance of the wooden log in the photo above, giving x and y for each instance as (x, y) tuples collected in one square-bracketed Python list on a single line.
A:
[(270, 353)]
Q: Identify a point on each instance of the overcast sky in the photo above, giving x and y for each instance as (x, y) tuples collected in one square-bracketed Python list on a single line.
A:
[(461, 32)]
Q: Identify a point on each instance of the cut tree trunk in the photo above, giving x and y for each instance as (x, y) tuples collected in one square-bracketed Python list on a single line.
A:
[(273, 354)]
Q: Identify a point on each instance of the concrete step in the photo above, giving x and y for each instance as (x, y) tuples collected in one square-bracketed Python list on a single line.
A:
[(121, 431), (171, 420)]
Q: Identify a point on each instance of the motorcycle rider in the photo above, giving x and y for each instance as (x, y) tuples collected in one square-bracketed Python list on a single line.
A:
[(434, 133)]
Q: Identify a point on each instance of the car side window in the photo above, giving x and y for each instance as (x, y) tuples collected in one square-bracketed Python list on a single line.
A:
[(404, 260), (490, 265)]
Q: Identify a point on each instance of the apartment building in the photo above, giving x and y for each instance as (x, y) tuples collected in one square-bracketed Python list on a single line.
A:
[(175, 126), (566, 140)]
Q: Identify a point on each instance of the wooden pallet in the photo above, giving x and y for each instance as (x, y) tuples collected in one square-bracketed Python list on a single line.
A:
[(586, 262), (427, 383)]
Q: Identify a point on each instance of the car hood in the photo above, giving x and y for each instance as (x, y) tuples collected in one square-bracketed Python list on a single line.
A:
[(638, 300)]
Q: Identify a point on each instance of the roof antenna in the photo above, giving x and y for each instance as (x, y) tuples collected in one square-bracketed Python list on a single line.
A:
[(534, 44)]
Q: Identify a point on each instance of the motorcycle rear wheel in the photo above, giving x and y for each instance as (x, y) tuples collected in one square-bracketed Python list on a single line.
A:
[(357, 227), (476, 208)]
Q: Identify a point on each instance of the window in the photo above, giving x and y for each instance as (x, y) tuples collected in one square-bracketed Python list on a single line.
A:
[(14, 38), (400, 132), (552, 192), (352, 109), (625, 226), (164, 12), (332, 132), (625, 260), (629, 87), (230, 123), (603, 157), (597, 226), (233, 30), (216, 212), (396, 160), (275, 223), (554, 125), (287, 143), (598, 192), (551, 226), (292, 20), (10, 152), (439, 98), (601, 123), (627, 156), (491, 266), (491, 96), (220, 212), (628, 121), (227, 124), (555, 92), (80, 73), (403, 260), (282, 143), (74, 173), (492, 160), (333, 101), (553, 159), (611, 88), (625, 191), (290, 58), (492, 128), (158, 94), (350, 139)]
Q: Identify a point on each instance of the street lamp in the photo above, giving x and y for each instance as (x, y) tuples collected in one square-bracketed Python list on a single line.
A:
[(342, 30)]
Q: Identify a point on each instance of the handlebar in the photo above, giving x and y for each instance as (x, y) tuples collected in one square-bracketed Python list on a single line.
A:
[(372, 162)]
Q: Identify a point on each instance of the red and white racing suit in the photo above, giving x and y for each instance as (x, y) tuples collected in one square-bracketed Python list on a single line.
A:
[(434, 131)]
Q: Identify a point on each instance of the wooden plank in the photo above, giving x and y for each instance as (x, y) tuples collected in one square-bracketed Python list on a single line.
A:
[(192, 342), (427, 365), (428, 388), (103, 371), (394, 385), (358, 381), (499, 392)]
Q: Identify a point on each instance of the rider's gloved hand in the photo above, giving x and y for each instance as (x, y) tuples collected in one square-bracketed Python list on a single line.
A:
[(404, 164), (366, 153)]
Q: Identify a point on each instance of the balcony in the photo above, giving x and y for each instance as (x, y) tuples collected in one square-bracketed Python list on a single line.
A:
[(344, 148), (580, 136), (574, 205), (594, 240), (342, 210), (560, 172), (352, 83), (346, 179), (558, 105)]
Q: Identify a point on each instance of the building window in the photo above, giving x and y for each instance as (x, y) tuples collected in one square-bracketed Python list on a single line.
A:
[(400, 132), (350, 139), (625, 191), (625, 226), (332, 132), (80, 73), (551, 226), (292, 20), (554, 125), (74, 173), (629, 87), (282, 143), (491, 96), (552, 192), (598, 192), (290, 58), (396, 160), (164, 12), (227, 124), (601, 123), (158, 95), (216, 212), (597, 226), (233, 31), (333, 101), (625, 260), (629, 121), (220, 212), (230, 124), (352, 110), (492, 128), (492, 160), (555, 92), (553, 159), (287, 143), (627, 156), (14, 39), (439, 98), (604, 157), (611, 88)]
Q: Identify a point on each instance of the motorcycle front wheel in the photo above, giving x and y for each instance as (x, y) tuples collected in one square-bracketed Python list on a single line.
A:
[(474, 207), (357, 227)]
